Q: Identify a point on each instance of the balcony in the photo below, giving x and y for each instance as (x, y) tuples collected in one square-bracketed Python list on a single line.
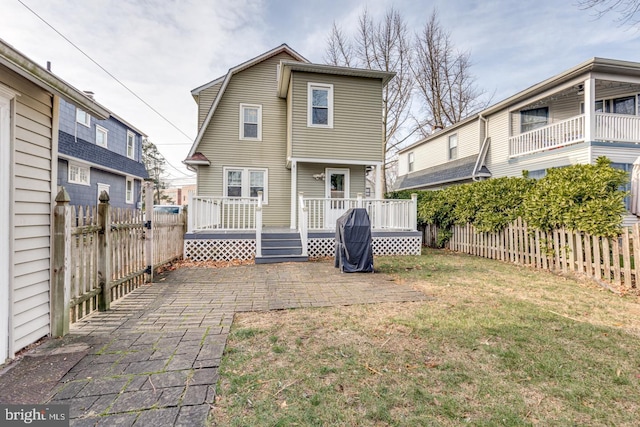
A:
[(608, 127)]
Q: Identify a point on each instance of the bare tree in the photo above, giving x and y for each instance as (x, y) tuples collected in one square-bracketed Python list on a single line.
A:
[(385, 46), (629, 10), (443, 78)]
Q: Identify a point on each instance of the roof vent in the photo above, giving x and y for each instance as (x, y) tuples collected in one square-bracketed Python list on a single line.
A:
[(89, 93)]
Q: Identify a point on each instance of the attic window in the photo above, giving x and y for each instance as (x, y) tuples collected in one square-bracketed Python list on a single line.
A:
[(131, 145), (83, 117), (320, 105), (251, 122)]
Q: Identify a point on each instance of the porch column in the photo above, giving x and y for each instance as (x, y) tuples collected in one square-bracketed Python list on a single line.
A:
[(379, 167), (589, 109), (294, 192)]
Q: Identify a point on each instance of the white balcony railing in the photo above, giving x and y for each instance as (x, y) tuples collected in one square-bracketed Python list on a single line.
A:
[(222, 213), (608, 127)]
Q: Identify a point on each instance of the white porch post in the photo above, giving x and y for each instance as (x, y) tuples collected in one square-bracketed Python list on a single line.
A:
[(379, 167), (589, 109), (294, 192)]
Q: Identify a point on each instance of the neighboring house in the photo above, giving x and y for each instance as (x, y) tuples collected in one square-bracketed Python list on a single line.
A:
[(99, 155), (29, 111), (589, 111), (179, 195), (282, 126)]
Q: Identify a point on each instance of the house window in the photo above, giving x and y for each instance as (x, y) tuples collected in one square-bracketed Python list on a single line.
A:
[(83, 117), (101, 136), (245, 182), (78, 174), (320, 105), (626, 105), (411, 161), (251, 122), (129, 190), (533, 119), (453, 146), (131, 145), (627, 167)]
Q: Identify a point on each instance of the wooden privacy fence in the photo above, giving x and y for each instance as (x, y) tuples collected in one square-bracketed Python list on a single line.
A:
[(603, 259), (102, 253)]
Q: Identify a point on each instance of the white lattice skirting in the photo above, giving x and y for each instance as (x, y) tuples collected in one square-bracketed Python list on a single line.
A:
[(229, 249), (219, 249)]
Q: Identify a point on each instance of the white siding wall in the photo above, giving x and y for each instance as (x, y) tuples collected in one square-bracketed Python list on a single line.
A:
[(31, 216)]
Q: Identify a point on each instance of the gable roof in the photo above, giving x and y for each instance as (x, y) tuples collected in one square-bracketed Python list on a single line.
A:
[(25, 67), (599, 65), (225, 82)]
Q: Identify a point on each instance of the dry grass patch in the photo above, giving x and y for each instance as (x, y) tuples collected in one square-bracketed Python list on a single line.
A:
[(498, 345)]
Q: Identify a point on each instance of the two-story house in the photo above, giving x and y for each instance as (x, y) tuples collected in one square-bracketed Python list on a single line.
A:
[(97, 155), (588, 111), (279, 126)]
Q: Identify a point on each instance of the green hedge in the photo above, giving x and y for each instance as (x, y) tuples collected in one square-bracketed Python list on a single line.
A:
[(583, 198)]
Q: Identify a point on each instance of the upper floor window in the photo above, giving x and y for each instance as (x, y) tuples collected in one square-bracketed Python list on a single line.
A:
[(533, 119), (79, 174), (453, 146), (411, 161), (245, 182), (623, 105), (320, 105), (83, 117), (251, 122), (129, 190), (101, 136), (131, 145)]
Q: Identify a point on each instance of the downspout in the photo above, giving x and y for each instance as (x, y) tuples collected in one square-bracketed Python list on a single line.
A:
[(477, 166)]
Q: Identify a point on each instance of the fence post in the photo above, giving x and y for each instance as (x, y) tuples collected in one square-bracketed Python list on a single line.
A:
[(259, 226), (104, 252), (148, 225), (61, 286), (414, 212)]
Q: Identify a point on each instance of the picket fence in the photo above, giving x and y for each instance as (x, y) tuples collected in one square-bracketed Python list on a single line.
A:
[(103, 253), (610, 261)]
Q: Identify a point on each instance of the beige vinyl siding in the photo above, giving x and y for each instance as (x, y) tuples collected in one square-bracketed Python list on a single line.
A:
[(357, 127), (617, 153), (222, 145), (205, 101), (31, 212), (313, 188), (498, 155)]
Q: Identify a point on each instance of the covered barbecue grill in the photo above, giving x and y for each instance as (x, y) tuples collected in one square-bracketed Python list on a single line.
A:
[(354, 252)]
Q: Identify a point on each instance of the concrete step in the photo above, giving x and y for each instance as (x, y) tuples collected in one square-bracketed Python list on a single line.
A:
[(281, 258)]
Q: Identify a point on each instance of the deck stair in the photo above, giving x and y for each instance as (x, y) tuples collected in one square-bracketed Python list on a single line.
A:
[(281, 247)]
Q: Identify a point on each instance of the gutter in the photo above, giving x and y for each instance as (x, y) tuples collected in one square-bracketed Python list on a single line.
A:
[(484, 148)]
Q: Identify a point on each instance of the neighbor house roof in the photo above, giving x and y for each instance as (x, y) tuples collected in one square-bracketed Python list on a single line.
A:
[(225, 82), (25, 67), (599, 65), (446, 173), (99, 157)]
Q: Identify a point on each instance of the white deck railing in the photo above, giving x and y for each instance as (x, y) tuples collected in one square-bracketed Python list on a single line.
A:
[(384, 214), (222, 213), (608, 127)]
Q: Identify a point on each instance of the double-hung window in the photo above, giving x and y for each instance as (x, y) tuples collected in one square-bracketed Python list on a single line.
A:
[(131, 145), (533, 119), (78, 174), (83, 117), (251, 122), (453, 146), (320, 105), (411, 161), (245, 182), (129, 190), (101, 136)]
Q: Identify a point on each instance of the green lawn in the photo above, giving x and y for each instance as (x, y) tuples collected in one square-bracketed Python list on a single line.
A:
[(495, 345)]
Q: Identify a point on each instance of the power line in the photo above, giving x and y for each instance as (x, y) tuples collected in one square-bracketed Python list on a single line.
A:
[(108, 73)]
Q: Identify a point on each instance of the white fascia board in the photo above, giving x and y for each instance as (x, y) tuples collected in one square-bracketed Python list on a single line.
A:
[(335, 161)]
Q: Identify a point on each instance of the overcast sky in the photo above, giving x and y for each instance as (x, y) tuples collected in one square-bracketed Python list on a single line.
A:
[(162, 49)]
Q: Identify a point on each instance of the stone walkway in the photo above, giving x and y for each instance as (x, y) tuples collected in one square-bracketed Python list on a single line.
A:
[(152, 360)]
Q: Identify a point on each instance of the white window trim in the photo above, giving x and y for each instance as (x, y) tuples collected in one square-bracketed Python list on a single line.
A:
[(103, 187), (133, 146), (450, 147), (411, 162), (310, 87), (130, 200), (242, 107), (80, 166), (106, 136), (245, 181), (87, 121)]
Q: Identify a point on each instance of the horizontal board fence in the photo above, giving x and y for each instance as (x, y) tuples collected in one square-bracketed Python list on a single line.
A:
[(102, 253), (610, 261)]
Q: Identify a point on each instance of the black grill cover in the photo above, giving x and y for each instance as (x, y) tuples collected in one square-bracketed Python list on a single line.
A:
[(354, 252)]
